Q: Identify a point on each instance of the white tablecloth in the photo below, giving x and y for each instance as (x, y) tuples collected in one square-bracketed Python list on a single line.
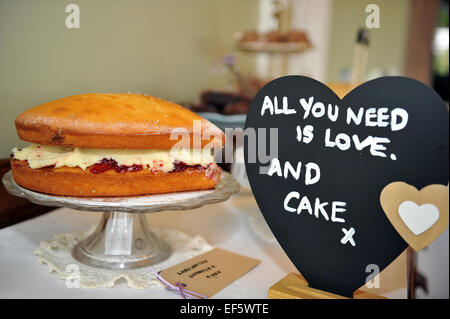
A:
[(225, 225)]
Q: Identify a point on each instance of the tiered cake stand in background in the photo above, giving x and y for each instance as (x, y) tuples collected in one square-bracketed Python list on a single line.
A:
[(123, 239), (279, 51)]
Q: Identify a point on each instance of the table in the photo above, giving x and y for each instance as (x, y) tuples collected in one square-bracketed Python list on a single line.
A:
[(226, 225)]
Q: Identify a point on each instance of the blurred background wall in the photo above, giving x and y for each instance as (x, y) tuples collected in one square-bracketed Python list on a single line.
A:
[(166, 47), (160, 47), (387, 44)]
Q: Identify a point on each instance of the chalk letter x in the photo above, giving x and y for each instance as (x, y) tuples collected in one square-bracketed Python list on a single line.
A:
[(348, 236)]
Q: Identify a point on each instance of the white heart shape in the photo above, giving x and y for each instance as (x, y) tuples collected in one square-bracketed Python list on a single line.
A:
[(418, 218)]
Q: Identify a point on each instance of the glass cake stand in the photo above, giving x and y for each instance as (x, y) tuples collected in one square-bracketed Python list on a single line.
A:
[(123, 239)]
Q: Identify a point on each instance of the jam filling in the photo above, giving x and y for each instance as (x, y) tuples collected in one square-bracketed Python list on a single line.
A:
[(179, 167), (49, 166), (108, 164)]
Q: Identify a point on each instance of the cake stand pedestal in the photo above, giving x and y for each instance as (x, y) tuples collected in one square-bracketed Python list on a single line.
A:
[(123, 239)]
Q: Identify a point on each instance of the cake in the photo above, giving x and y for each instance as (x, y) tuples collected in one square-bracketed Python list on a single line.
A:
[(115, 145)]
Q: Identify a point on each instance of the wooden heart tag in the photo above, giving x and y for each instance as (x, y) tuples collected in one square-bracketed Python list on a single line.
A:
[(418, 216)]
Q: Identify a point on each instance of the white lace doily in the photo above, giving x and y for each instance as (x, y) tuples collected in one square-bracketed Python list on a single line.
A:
[(56, 254)]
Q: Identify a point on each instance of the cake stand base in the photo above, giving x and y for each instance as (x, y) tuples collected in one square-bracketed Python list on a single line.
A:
[(121, 241)]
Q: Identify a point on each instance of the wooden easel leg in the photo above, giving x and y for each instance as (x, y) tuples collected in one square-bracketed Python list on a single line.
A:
[(411, 271)]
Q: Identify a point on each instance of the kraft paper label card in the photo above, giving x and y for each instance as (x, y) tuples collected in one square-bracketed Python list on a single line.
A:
[(210, 272)]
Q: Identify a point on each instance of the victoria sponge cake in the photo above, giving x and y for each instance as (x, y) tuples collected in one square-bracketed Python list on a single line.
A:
[(115, 145)]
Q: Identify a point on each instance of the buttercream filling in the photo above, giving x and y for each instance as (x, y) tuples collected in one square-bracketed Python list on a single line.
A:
[(41, 156)]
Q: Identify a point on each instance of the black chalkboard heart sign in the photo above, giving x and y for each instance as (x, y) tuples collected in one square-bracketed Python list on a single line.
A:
[(318, 180)]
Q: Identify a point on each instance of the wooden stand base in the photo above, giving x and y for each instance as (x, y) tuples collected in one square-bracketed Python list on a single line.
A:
[(294, 286)]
